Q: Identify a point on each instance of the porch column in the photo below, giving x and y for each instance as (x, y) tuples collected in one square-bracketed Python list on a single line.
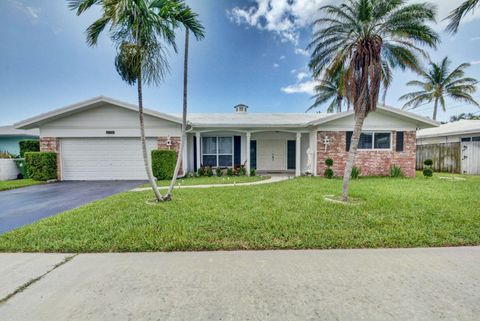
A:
[(247, 166), (199, 143), (298, 164)]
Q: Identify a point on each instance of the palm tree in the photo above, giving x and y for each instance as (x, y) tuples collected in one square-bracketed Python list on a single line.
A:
[(464, 116), (332, 89), (141, 29), (456, 15), (367, 38), (439, 83)]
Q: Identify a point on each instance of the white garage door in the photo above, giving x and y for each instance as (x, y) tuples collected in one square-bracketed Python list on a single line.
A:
[(103, 158)]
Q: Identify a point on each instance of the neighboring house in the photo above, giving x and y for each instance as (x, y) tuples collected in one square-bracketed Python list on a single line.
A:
[(454, 147), (10, 138), (458, 131), (98, 139)]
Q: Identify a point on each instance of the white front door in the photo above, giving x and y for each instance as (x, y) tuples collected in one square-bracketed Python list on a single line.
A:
[(271, 155)]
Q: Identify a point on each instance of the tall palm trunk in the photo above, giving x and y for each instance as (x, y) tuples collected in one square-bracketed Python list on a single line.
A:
[(148, 168), (357, 130), (184, 120), (339, 103), (435, 107)]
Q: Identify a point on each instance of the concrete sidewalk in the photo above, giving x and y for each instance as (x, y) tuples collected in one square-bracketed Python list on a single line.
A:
[(384, 284)]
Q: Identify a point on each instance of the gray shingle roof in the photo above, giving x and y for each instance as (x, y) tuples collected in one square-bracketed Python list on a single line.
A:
[(11, 131), (455, 128)]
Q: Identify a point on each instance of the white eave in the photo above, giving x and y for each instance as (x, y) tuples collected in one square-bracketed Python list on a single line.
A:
[(12, 131), (420, 121), (36, 121)]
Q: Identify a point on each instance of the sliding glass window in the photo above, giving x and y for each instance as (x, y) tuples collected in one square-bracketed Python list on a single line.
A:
[(217, 151)]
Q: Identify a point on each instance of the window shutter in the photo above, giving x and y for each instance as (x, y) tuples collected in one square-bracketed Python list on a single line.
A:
[(237, 157), (400, 136), (349, 140)]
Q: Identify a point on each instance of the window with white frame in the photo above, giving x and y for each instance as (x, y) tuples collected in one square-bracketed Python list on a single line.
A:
[(375, 140), (217, 151)]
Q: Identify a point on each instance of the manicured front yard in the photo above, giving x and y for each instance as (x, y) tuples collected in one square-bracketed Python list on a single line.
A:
[(291, 214), (17, 183), (213, 180)]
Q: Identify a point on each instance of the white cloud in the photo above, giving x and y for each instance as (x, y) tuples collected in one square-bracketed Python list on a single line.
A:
[(284, 17), (475, 62), (300, 51), (282, 57), (301, 76), (306, 87), (474, 38), (31, 12), (276, 65)]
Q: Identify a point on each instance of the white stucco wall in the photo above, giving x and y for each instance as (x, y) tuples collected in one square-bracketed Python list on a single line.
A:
[(95, 122)]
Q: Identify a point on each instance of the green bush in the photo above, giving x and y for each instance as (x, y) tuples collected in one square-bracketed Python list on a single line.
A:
[(427, 172), (163, 163), (41, 166), (356, 171), (241, 171), (328, 173), (428, 162), (396, 171), (219, 172), (201, 171), (229, 172), (253, 172), (329, 162), (28, 145), (209, 171)]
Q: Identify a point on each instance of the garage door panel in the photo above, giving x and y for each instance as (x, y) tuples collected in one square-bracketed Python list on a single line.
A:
[(103, 158)]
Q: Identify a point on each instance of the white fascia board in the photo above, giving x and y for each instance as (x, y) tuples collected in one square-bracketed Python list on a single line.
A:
[(57, 113)]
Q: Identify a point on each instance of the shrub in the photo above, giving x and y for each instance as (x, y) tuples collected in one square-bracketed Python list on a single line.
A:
[(41, 166), (201, 171), (428, 162), (209, 171), (396, 171), (229, 172), (28, 145), (163, 163), (427, 172), (6, 155), (241, 171), (356, 171), (219, 172), (253, 172), (328, 173), (329, 162)]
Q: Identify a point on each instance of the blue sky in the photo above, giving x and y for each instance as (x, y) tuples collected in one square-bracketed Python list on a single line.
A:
[(251, 55)]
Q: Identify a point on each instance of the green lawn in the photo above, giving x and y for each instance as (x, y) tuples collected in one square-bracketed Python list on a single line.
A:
[(204, 180), (17, 183), (291, 214)]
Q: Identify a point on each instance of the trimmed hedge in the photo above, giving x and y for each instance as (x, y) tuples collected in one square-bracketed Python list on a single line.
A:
[(28, 145), (41, 166), (163, 163)]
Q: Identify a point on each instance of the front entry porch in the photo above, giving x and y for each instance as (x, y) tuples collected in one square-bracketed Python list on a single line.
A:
[(269, 152)]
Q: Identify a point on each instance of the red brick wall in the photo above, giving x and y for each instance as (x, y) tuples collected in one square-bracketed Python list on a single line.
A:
[(371, 162), (162, 144), (52, 144)]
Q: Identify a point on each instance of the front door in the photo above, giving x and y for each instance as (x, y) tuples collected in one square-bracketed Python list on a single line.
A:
[(271, 155)]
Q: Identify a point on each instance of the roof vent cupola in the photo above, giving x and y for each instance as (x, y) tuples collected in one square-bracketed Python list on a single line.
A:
[(241, 108)]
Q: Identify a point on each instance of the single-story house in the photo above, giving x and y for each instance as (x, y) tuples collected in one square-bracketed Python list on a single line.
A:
[(10, 138), (98, 139), (459, 131)]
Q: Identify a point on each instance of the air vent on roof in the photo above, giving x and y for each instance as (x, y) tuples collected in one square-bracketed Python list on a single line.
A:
[(241, 108)]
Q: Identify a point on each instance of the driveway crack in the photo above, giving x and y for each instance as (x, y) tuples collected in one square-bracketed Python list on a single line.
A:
[(24, 286)]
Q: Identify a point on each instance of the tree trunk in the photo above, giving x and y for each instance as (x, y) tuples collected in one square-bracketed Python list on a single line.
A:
[(183, 139), (435, 107), (351, 154), (148, 168), (339, 104)]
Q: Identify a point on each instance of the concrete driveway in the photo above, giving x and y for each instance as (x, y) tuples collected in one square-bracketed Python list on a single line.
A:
[(383, 284), (26, 205)]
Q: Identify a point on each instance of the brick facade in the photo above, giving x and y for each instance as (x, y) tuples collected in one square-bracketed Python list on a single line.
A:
[(52, 144), (162, 144), (371, 162)]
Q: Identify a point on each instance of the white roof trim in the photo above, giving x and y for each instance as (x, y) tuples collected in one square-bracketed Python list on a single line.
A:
[(396, 111), (57, 113)]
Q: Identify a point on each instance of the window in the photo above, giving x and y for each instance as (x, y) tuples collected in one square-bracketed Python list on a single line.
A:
[(476, 139), (217, 151), (371, 140), (471, 139), (399, 144)]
